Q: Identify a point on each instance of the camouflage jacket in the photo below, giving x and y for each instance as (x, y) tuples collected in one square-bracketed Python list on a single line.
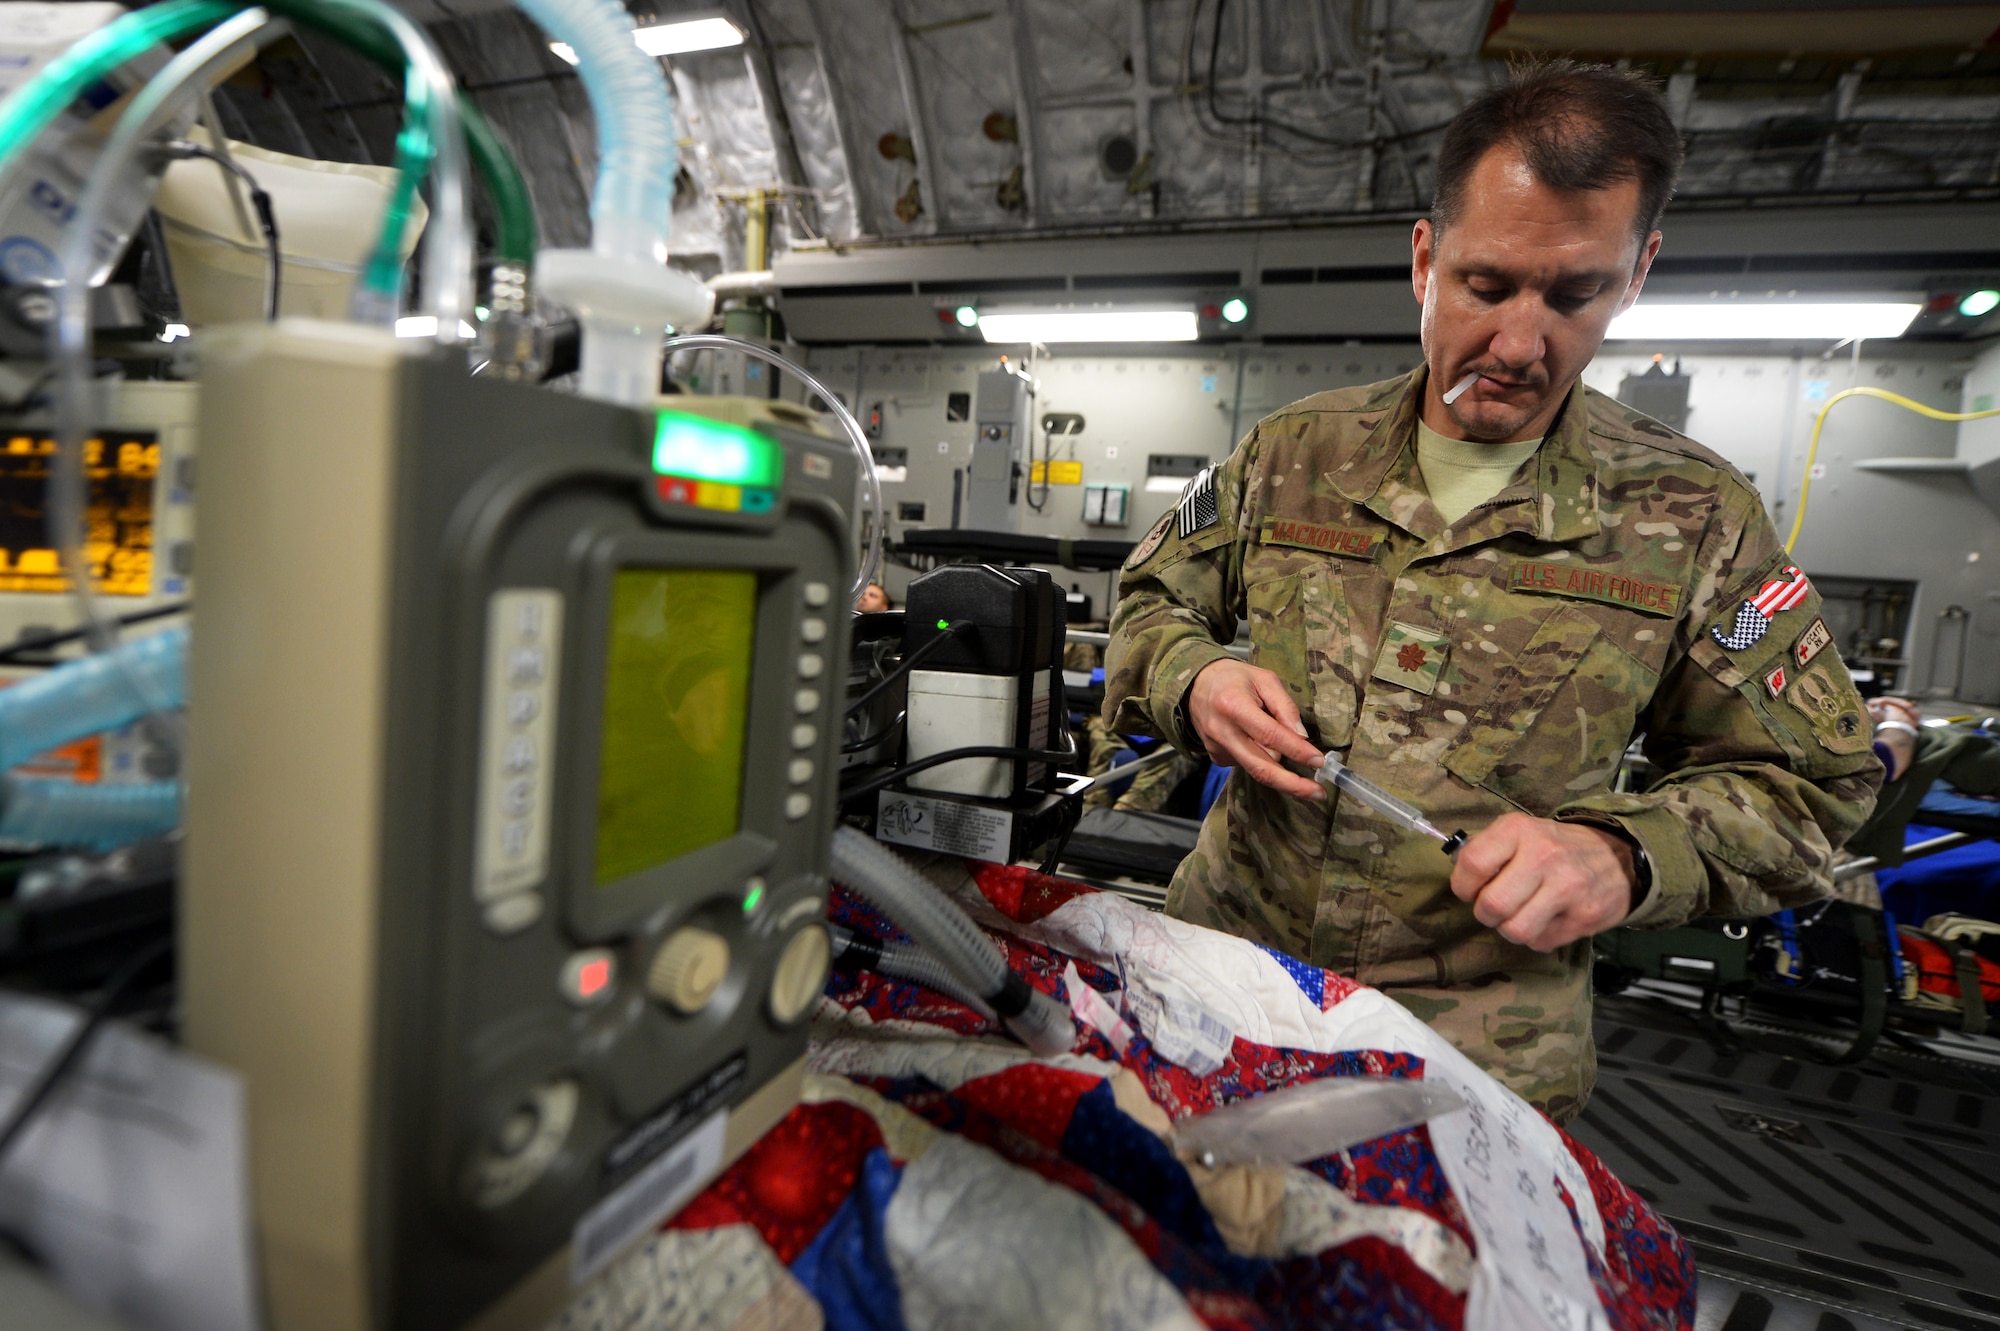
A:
[(1503, 662)]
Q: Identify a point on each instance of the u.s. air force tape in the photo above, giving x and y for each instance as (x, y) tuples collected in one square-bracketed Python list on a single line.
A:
[(1197, 510)]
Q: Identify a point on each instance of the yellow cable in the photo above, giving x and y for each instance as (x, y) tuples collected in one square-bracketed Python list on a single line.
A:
[(1805, 487)]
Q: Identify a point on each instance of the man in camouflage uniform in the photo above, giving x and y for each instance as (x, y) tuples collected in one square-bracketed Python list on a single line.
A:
[(1492, 668)]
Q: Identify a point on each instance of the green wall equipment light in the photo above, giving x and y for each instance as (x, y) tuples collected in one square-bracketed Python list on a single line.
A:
[(1235, 310), (967, 316), (1979, 303)]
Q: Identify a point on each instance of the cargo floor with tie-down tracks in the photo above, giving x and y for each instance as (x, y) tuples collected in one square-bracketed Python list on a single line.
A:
[(1817, 1198)]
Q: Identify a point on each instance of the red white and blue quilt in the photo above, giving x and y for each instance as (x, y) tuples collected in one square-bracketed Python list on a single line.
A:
[(938, 1177)]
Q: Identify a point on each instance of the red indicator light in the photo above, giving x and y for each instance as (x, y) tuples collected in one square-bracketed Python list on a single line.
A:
[(1211, 311), (675, 489), (592, 977)]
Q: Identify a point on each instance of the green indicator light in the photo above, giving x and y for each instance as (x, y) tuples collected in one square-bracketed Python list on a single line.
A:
[(706, 450), (944, 623), (1235, 310), (1979, 303), (752, 897), (967, 316)]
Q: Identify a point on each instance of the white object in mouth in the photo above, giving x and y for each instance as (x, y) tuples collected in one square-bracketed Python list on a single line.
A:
[(1457, 390)]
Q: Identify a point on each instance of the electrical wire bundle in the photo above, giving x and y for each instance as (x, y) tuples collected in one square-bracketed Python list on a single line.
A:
[(1264, 129)]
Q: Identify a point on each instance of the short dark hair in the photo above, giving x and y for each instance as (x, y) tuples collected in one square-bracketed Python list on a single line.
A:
[(1579, 126)]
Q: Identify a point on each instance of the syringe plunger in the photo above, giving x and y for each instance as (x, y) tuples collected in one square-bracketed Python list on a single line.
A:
[(1340, 776)]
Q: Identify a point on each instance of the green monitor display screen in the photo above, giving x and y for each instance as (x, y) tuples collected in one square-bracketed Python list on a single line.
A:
[(676, 709)]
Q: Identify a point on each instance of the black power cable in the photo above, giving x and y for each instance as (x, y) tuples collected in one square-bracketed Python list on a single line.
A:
[(1048, 456), (875, 783), (267, 217), (13, 651), (870, 741), (73, 1050), (1257, 119), (906, 665)]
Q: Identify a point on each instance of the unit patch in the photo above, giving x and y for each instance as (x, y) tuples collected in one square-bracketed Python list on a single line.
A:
[(1837, 722), (1411, 657), (1754, 616), (1197, 509), (1597, 584), (1774, 683), (1144, 550), (1315, 536), (1816, 639), (1319, 536)]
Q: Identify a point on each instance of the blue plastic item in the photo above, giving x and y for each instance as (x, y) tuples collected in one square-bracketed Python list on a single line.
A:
[(73, 815), (1211, 786), (98, 693)]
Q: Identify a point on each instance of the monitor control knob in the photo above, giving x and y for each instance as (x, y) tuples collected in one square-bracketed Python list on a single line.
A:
[(801, 974), (688, 969)]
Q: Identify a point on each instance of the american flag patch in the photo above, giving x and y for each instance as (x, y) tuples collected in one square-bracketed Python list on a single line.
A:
[(1754, 616), (1197, 509)]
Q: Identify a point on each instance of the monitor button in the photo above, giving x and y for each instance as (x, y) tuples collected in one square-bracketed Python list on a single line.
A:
[(804, 736), (797, 805), (510, 915), (801, 974), (688, 969), (818, 594), (589, 977), (801, 771), (813, 629), (806, 701), (811, 665)]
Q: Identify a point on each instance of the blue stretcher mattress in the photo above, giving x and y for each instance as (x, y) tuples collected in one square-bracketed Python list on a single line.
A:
[(1965, 879)]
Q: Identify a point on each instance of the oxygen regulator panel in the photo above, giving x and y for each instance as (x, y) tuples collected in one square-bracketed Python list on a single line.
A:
[(510, 809)]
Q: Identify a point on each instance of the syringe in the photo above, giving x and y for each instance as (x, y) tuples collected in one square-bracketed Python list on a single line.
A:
[(1341, 777)]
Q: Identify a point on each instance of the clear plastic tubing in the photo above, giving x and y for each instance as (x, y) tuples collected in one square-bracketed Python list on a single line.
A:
[(448, 239), (34, 108), (871, 483), (185, 78), (637, 152), (92, 695), (864, 865), (623, 294)]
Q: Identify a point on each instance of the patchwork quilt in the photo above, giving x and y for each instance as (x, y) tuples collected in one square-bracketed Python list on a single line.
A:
[(938, 1177)]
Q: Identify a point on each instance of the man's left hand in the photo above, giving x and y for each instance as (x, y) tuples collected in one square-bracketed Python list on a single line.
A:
[(1543, 884)]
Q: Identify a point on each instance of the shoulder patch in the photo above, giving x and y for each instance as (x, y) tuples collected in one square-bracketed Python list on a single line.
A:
[(1816, 639), (1754, 616), (1150, 543), (1832, 709), (1197, 509)]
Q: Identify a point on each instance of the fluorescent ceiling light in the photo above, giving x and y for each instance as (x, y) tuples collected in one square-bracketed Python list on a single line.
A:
[(1762, 320), (681, 37), (426, 325), (1053, 326)]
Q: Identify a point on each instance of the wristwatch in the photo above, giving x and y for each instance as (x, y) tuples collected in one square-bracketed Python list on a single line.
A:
[(1642, 872), (1642, 863)]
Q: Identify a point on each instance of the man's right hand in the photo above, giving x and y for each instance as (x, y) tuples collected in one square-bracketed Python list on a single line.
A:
[(1246, 719)]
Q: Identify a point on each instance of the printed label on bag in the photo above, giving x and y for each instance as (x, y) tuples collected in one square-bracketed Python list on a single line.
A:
[(1183, 1029)]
